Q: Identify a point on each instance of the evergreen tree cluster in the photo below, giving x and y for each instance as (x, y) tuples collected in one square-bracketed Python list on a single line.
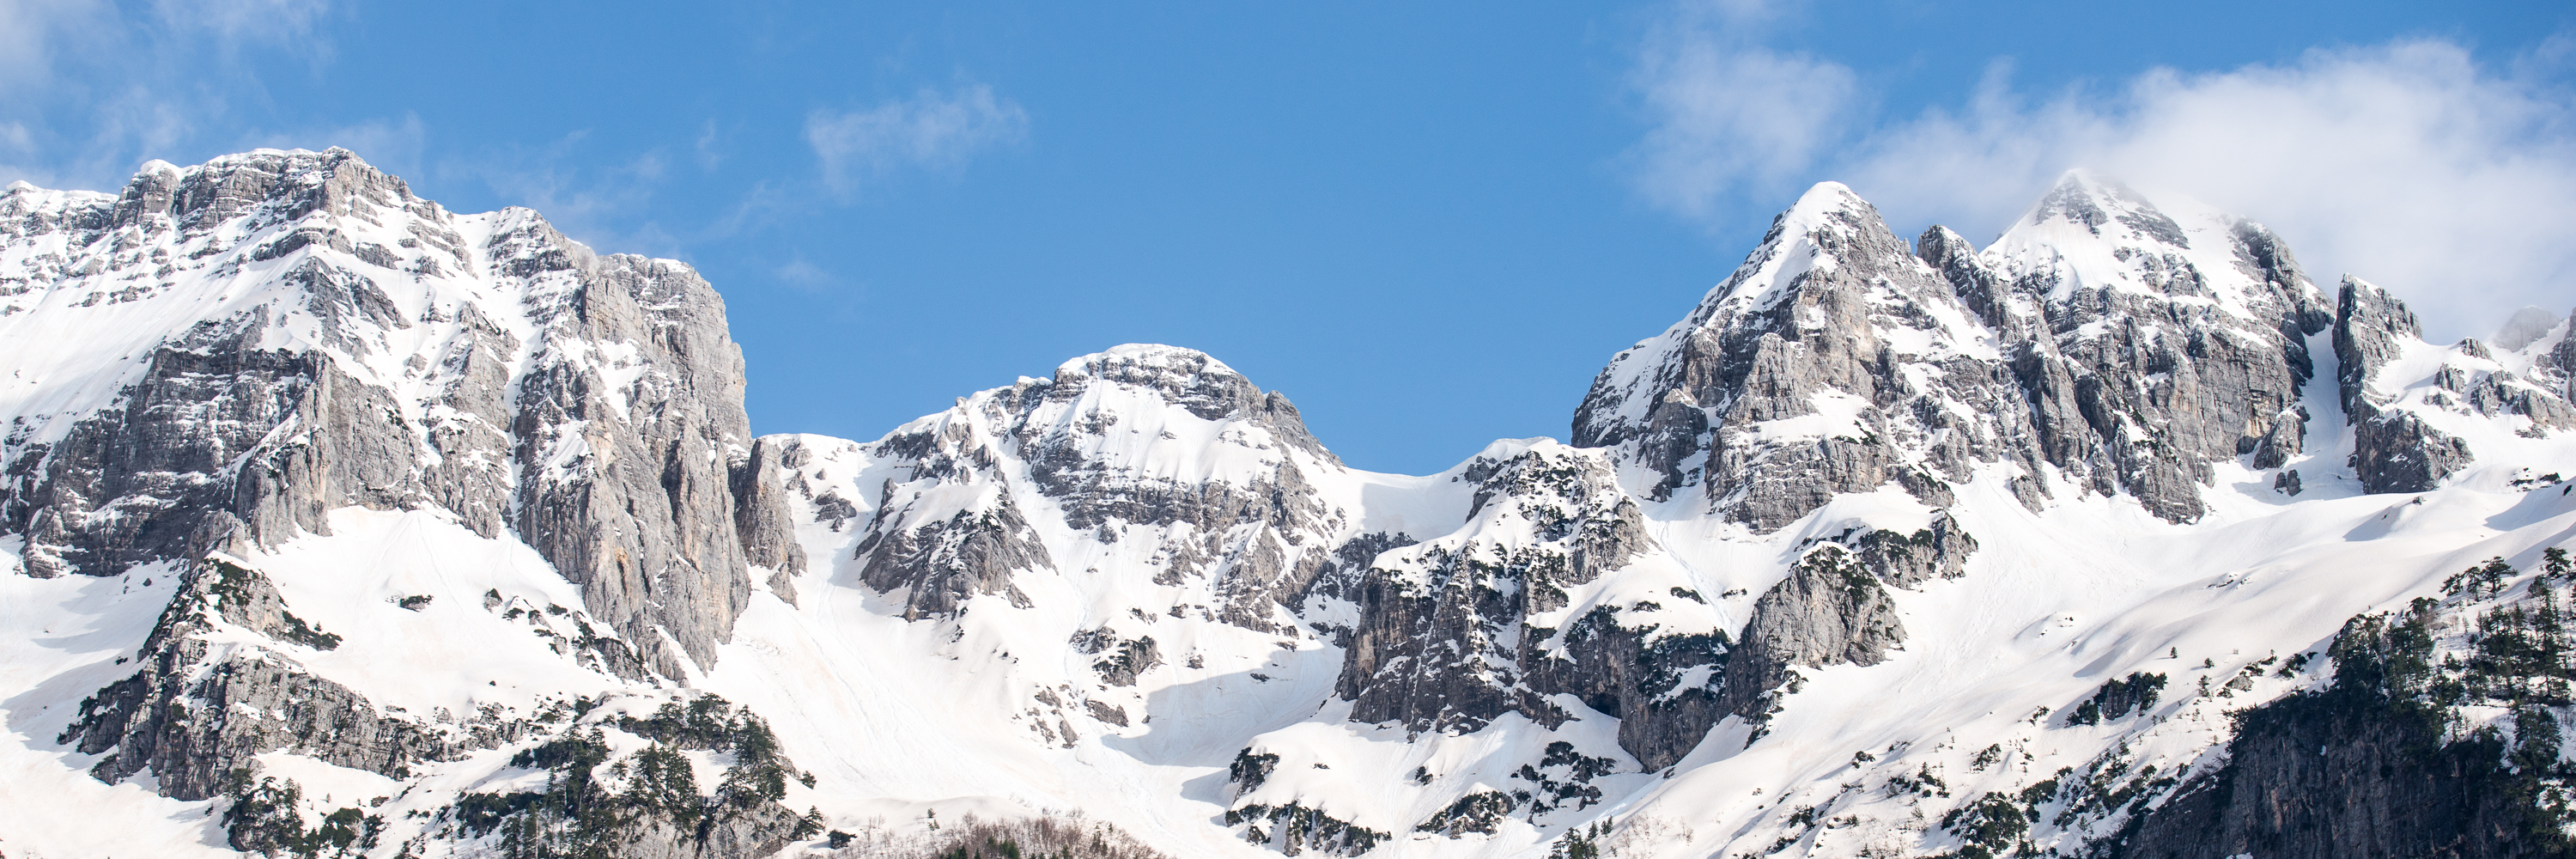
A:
[(2519, 652), (1581, 842), (265, 818), (1992, 825), (2517, 658), (1032, 838), (580, 815)]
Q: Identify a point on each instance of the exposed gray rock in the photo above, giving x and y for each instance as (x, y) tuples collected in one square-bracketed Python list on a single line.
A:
[(2283, 440), (1936, 551), (1108, 713), (194, 717), (761, 517), (1831, 610), (2133, 387), (1442, 634), (1447, 642), (2501, 393), (2348, 772), (760, 830), (193, 450), (941, 565), (2398, 452), (2393, 449), (2562, 357), (2371, 327), (2140, 390), (1645, 680), (659, 468), (1264, 539), (220, 433), (1814, 315), (1120, 661)]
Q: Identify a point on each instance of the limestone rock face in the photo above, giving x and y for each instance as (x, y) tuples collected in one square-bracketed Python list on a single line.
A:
[(367, 348), (2406, 423), (2371, 330), (1445, 630), (1246, 521), (2562, 357), (194, 714), (1832, 361), (2099, 336), (284, 366), (2149, 345), (646, 439), (341, 343), (1831, 610)]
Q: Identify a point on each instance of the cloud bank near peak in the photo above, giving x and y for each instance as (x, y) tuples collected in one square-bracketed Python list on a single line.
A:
[(2408, 163)]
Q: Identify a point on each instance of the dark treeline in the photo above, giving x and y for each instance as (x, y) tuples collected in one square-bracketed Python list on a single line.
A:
[(1030, 838)]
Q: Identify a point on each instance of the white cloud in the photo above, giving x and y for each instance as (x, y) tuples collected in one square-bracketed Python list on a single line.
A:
[(596, 205), (710, 147), (805, 275), (244, 21), (33, 31), (932, 129), (94, 88), (2408, 164), (1728, 113)]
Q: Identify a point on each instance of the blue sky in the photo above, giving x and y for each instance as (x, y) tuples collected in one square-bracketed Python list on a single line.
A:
[(1430, 225)]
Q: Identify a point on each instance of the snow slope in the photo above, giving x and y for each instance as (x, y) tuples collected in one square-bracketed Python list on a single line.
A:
[(1139, 591)]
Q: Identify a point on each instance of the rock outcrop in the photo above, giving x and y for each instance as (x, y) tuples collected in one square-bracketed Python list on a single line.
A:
[(2393, 450), (2358, 769), (195, 716), (1755, 496), (2099, 336), (1248, 525), (1832, 361), (598, 416)]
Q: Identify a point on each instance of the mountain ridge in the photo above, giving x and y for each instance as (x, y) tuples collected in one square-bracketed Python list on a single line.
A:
[(1140, 589)]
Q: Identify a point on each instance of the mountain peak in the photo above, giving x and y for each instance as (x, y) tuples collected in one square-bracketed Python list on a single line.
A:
[(1155, 355), (2095, 204), (1825, 204), (2525, 327)]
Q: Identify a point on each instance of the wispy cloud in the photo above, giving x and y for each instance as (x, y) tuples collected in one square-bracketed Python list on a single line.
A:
[(933, 129), (805, 275), (2408, 163), (236, 22), (602, 206), (1729, 114), (93, 87), (710, 147)]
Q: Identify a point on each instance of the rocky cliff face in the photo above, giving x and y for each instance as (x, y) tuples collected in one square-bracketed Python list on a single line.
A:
[(2409, 401), (2099, 336), (1832, 361), (590, 405), (2385, 760), (1241, 525), (435, 511), (245, 347)]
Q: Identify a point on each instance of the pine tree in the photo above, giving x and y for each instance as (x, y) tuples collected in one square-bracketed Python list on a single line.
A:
[(2550, 633)]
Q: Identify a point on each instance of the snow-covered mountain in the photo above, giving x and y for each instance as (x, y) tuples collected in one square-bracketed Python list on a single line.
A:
[(337, 523)]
